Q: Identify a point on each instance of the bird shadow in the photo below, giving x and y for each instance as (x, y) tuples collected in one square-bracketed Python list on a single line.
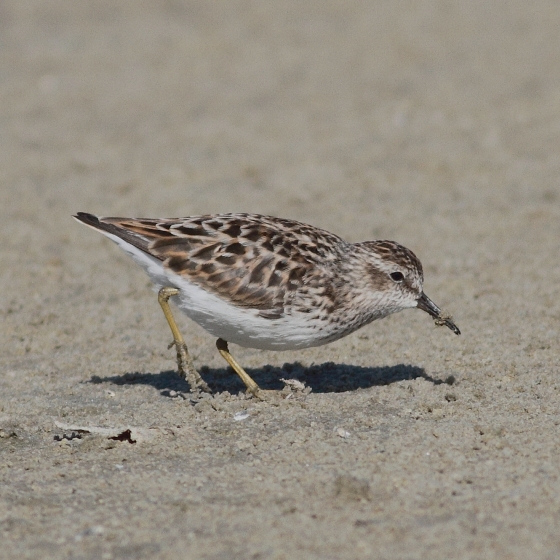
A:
[(321, 378)]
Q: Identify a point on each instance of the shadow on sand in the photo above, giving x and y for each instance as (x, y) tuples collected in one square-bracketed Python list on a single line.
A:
[(322, 378)]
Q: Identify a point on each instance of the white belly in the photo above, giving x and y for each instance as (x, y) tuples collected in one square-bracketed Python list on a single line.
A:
[(241, 325)]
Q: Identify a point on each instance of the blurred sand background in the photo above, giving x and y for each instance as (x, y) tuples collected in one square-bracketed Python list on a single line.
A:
[(433, 123)]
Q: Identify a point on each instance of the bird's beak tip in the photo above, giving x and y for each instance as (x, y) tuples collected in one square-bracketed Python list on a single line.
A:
[(440, 317)]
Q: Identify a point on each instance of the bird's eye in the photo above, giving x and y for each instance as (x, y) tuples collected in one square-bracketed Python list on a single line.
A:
[(397, 276)]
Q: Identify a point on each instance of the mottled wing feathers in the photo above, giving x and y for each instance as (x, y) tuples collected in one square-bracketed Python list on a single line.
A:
[(252, 261)]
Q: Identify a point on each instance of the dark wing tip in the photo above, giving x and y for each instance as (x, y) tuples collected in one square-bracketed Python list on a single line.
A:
[(88, 219), (108, 227)]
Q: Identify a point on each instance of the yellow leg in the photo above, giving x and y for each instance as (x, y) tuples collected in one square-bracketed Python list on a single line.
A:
[(223, 349), (184, 361)]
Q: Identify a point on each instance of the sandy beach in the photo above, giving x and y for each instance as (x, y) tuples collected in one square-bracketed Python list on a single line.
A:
[(436, 124)]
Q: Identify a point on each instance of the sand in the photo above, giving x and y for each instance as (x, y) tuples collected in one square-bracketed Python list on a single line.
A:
[(435, 124)]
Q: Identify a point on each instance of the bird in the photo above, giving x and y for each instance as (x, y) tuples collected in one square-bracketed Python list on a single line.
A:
[(265, 282)]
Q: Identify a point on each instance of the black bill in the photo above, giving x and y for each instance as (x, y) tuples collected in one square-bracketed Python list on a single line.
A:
[(427, 305)]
